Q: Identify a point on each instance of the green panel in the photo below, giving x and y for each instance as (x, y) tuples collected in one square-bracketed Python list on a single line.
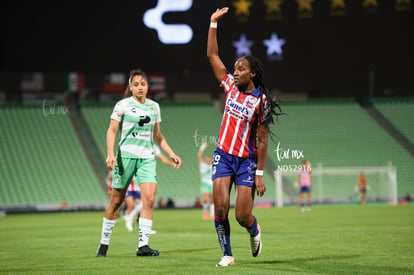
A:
[(42, 160)]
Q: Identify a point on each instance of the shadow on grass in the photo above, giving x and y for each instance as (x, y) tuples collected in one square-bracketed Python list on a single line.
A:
[(188, 250), (309, 259)]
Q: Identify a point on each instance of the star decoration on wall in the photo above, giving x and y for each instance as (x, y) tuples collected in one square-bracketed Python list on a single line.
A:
[(369, 3), (403, 5), (337, 8), (242, 7), (274, 47), (273, 5), (243, 46), (305, 5), (337, 4)]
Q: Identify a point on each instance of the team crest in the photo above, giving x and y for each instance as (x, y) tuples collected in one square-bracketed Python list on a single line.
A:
[(250, 101)]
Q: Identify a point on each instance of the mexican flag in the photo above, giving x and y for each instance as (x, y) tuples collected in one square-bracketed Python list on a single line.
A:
[(73, 82)]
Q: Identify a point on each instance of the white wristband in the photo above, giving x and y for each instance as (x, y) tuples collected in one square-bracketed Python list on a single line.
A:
[(259, 172), (213, 25)]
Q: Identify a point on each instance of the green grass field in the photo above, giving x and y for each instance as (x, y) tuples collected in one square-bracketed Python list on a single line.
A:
[(371, 239)]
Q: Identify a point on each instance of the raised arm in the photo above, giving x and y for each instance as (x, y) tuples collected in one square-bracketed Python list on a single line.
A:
[(212, 47), (200, 152)]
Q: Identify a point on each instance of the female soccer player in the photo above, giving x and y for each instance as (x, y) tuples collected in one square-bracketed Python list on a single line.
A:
[(204, 165), (140, 119), (242, 144), (362, 187), (303, 179)]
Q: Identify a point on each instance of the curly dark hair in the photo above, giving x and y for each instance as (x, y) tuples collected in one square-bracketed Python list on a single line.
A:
[(267, 113)]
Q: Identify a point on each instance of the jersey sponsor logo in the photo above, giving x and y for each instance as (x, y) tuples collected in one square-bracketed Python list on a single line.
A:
[(249, 179), (233, 114), (252, 167), (143, 120), (141, 135), (238, 107)]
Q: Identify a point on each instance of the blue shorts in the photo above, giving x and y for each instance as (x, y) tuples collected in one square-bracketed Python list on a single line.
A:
[(242, 170), (304, 189), (134, 194)]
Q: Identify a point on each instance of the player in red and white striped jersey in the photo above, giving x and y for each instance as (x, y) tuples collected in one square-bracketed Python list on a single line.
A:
[(238, 132), (242, 145)]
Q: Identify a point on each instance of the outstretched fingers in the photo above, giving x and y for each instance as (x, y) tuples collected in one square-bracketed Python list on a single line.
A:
[(218, 14)]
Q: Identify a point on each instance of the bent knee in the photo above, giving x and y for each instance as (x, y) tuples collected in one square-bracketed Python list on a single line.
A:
[(116, 204), (243, 220), (220, 211)]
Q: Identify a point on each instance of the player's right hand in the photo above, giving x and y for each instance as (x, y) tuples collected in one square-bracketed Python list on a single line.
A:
[(203, 146), (110, 162), (218, 14)]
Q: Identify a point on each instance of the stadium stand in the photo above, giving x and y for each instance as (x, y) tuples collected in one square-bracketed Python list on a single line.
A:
[(338, 134), (43, 165), (97, 117), (400, 113)]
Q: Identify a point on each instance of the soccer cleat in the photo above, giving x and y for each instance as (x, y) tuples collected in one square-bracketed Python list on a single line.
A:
[(256, 243), (147, 251), (102, 249), (226, 261)]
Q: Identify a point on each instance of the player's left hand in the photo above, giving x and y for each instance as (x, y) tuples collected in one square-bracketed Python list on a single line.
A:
[(176, 159), (260, 186)]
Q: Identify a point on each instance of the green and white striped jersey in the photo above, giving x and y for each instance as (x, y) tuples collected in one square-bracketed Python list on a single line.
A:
[(138, 122), (205, 173)]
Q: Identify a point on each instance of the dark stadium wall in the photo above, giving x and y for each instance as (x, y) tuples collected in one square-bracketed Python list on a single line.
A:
[(328, 49)]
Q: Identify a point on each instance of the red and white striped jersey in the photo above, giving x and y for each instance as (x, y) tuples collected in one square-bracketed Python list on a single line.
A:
[(238, 131)]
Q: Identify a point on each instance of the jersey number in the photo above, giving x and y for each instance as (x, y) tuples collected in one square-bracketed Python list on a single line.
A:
[(216, 159)]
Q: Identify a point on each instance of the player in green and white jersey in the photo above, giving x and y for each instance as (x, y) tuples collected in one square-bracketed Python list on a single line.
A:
[(139, 118), (205, 166)]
